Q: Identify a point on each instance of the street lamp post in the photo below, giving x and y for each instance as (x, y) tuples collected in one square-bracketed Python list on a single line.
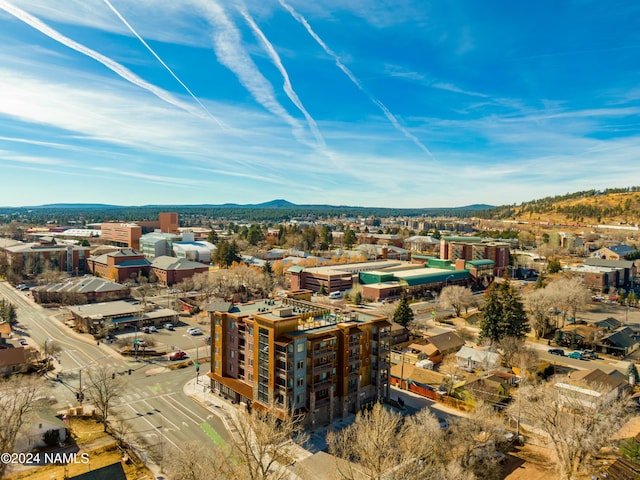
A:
[(197, 358), (46, 351)]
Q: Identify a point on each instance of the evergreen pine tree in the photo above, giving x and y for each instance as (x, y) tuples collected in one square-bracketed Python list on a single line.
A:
[(403, 313), (491, 315), (514, 318)]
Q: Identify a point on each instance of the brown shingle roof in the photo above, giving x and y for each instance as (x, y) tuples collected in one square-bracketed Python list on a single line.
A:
[(417, 374), (12, 356), (598, 377), (446, 342)]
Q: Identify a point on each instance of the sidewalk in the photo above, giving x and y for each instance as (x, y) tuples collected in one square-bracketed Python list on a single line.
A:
[(226, 411)]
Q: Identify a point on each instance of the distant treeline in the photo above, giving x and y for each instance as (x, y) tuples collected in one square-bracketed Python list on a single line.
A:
[(194, 215)]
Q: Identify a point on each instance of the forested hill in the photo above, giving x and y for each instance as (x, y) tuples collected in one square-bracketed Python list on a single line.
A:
[(275, 210), (613, 205)]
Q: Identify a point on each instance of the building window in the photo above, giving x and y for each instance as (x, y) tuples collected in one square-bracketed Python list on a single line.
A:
[(233, 325), (300, 364), (300, 382), (233, 354), (218, 321), (300, 347)]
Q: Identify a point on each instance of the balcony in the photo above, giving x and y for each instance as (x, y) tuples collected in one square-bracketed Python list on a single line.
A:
[(321, 351), (322, 367), (319, 385)]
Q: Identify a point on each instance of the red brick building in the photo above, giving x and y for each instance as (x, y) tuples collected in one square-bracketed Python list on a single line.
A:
[(33, 258), (171, 270), (121, 266)]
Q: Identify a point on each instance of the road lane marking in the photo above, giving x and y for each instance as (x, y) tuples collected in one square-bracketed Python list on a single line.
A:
[(155, 412), (155, 428)]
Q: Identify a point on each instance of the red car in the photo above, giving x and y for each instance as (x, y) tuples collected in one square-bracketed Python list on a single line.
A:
[(177, 355)]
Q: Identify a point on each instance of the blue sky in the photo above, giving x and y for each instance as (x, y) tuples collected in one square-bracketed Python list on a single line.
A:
[(360, 102)]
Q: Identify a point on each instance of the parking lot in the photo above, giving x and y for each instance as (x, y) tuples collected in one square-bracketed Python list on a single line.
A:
[(165, 340)]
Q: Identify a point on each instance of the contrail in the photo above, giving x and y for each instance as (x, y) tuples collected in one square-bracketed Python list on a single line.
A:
[(112, 65), (128, 25), (353, 78), (288, 88), (229, 50)]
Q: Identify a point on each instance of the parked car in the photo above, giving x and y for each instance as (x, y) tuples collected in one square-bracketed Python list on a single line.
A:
[(589, 354), (145, 329), (177, 355), (153, 329), (194, 331), (169, 326), (556, 351), (23, 342), (576, 355)]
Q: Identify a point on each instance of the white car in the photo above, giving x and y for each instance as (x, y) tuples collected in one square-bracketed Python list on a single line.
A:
[(194, 331)]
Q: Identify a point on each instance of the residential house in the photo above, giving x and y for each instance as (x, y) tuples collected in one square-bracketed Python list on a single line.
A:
[(13, 360), (615, 252), (5, 333), (418, 380), (492, 389), (115, 471), (593, 386), (608, 324), (471, 359), (33, 436), (414, 352), (446, 343), (621, 342)]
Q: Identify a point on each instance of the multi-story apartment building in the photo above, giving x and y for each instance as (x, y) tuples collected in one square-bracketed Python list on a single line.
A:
[(299, 357), (475, 248)]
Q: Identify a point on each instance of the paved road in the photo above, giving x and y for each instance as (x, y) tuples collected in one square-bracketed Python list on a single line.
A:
[(153, 404), (161, 416)]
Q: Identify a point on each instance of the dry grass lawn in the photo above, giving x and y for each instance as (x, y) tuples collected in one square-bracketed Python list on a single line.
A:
[(101, 449)]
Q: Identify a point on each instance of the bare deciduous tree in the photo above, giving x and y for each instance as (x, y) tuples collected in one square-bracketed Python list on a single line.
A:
[(473, 442), (540, 302), (370, 445), (18, 400), (456, 297), (569, 296), (200, 462), (577, 422), (260, 442), (103, 387), (381, 444)]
